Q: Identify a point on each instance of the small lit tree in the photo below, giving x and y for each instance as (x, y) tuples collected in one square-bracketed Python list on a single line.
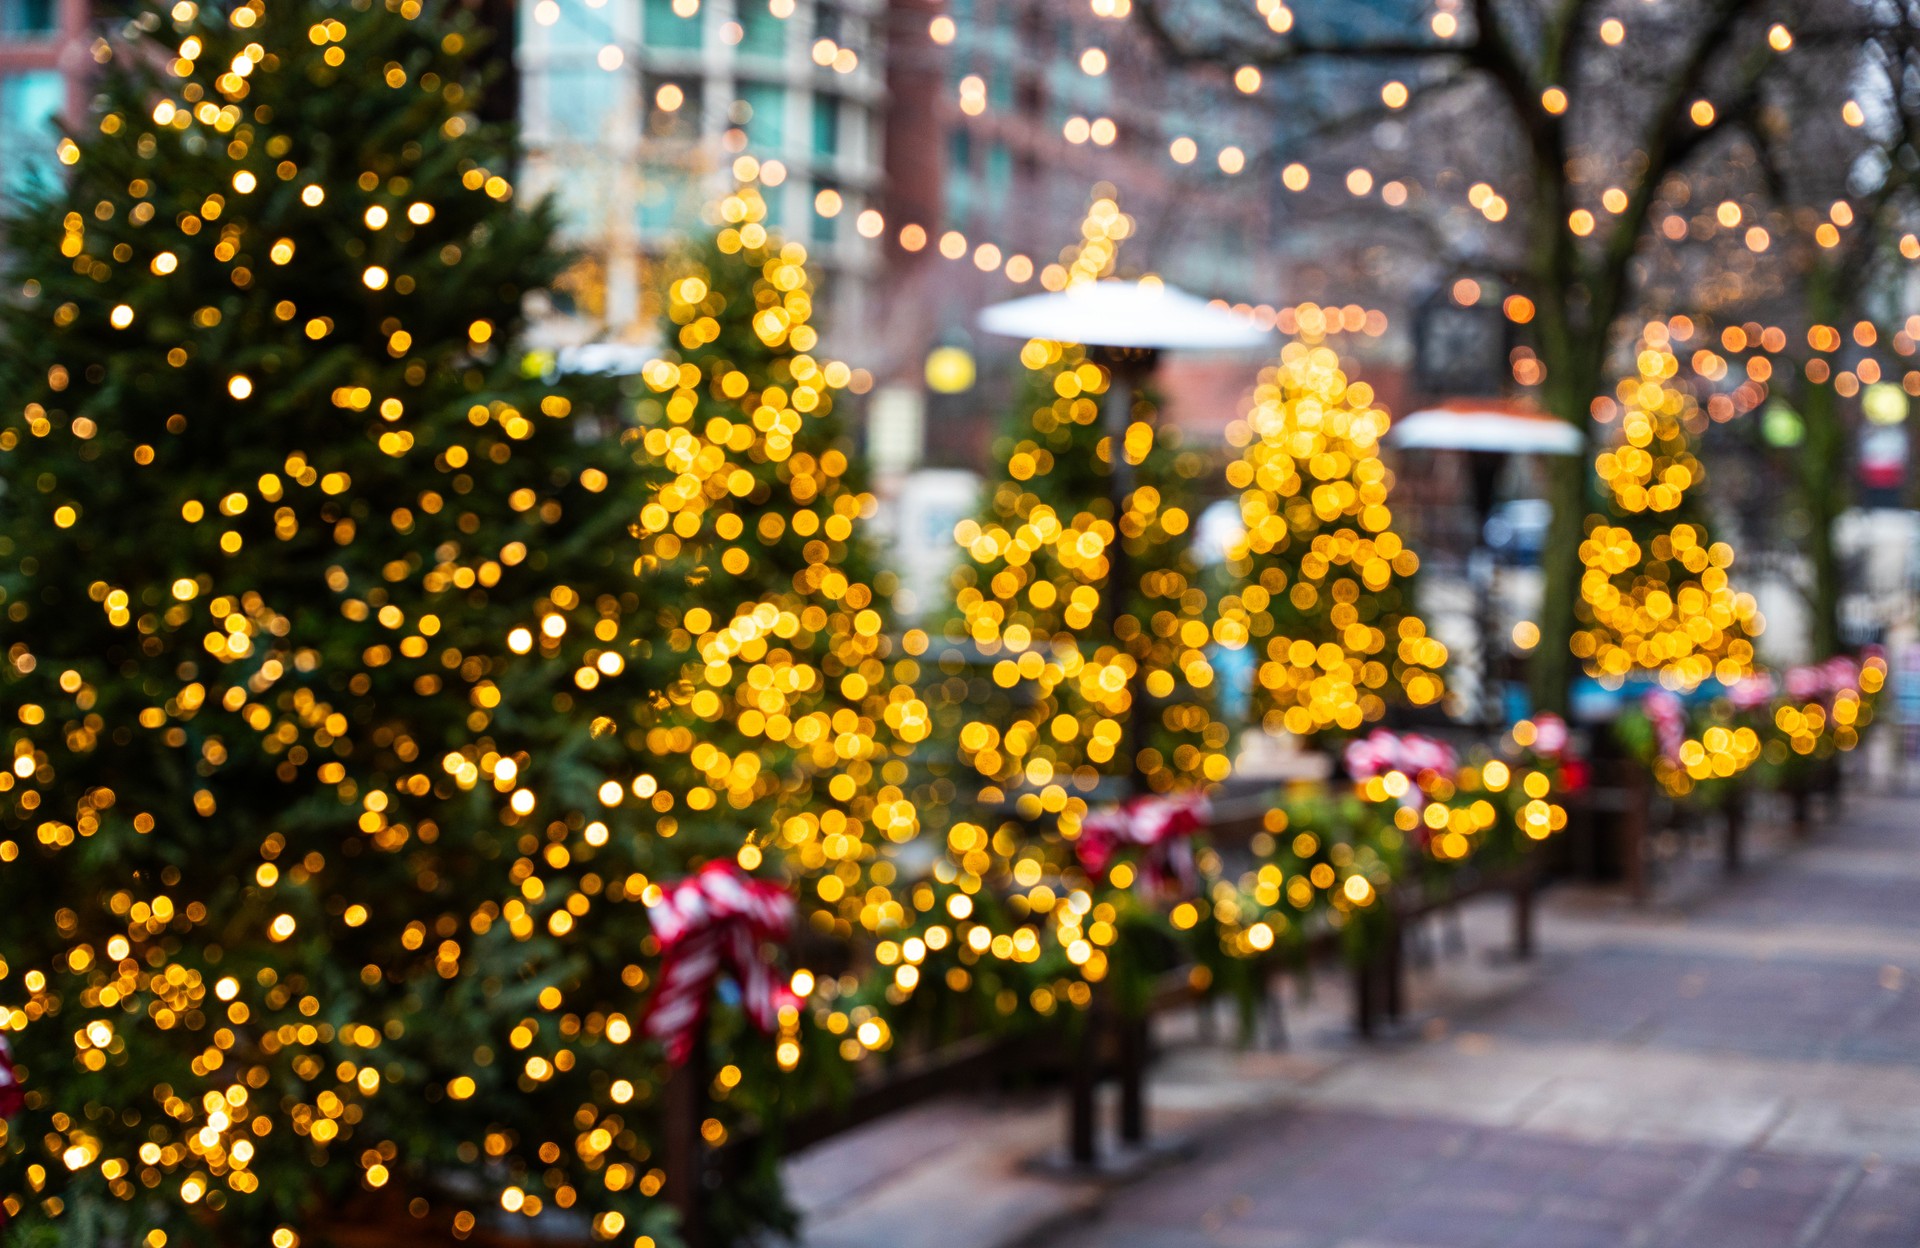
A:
[(1655, 596), (1656, 599), (1322, 577), (788, 735)]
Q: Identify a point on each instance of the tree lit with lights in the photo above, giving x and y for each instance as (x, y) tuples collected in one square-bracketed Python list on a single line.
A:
[(786, 741), (318, 609), (1655, 595), (1322, 575)]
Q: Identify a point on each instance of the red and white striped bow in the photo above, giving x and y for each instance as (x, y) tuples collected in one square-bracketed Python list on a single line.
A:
[(716, 922), (1155, 822), (12, 1099)]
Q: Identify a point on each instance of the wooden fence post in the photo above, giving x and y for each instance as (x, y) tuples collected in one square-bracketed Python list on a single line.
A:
[(1083, 1078), (1635, 831), (1523, 899), (1393, 968), (1134, 1036), (1736, 814), (684, 1149), (1364, 1006)]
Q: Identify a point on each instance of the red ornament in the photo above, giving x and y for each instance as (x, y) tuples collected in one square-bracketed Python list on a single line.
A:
[(714, 922)]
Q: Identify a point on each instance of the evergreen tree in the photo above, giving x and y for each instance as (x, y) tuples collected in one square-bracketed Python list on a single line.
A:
[(1068, 680), (324, 660), (1656, 600), (1655, 596), (1322, 577), (1036, 599), (790, 732)]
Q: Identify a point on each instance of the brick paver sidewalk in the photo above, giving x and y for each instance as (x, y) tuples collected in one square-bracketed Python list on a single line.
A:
[(1743, 1073), (1738, 1071)]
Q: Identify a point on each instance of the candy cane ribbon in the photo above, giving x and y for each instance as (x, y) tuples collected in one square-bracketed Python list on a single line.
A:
[(715, 922), (1159, 824)]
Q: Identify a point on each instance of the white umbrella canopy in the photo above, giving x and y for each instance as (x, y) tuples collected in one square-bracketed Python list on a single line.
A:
[(1149, 316), (1485, 426)]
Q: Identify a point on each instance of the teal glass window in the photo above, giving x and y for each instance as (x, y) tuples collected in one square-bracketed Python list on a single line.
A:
[(762, 34), (826, 126), (767, 127), (27, 17), (667, 29), (29, 102)]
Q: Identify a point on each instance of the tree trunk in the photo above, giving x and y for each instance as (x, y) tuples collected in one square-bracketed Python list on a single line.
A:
[(1822, 475), (1573, 380), (1822, 472), (1551, 669)]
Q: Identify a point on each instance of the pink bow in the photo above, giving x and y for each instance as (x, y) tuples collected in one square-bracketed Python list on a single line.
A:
[(1549, 734), (713, 922), (1751, 692), (12, 1099), (1382, 751), (1669, 722), (1159, 824)]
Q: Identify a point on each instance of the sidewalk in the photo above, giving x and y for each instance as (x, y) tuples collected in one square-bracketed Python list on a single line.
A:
[(1741, 1069)]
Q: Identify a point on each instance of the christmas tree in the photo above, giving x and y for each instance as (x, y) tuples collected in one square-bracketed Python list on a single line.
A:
[(1655, 596), (1322, 576), (324, 660), (788, 737), (1656, 600), (1075, 652), (1069, 680)]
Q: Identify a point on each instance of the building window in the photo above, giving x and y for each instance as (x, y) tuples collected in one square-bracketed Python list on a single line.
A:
[(826, 22), (762, 34), (766, 122), (27, 17), (999, 174), (28, 104), (667, 29), (580, 103), (826, 126), (823, 229), (665, 199), (673, 107)]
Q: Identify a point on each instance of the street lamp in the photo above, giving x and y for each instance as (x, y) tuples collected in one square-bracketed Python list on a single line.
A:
[(1124, 326), (1489, 432)]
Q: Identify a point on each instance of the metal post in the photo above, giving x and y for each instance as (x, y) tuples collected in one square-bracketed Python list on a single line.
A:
[(1125, 371)]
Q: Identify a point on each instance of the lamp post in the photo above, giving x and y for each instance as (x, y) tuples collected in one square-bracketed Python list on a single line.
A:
[(1489, 432), (1125, 326)]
